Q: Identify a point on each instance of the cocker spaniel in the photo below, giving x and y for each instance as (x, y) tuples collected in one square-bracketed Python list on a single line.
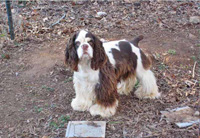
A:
[(102, 70)]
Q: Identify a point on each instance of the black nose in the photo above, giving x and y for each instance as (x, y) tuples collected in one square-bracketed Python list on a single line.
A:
[(85, 47)]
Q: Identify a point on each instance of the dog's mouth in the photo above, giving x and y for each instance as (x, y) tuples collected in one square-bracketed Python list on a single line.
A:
[(85, 53), (86, 56)]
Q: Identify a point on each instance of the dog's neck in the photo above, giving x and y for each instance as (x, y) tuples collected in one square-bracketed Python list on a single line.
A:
[(84, 65)]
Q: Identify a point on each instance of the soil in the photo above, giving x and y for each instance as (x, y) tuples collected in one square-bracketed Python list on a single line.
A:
[(36, 87)]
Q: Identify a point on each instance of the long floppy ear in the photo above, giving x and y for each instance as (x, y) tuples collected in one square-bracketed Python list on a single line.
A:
[(99, 55), (71, 57)]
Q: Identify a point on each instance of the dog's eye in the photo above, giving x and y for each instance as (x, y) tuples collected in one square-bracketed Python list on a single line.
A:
[(77, 44), (91, 42)]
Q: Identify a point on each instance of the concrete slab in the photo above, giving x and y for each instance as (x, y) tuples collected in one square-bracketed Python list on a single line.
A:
[(89, 129)]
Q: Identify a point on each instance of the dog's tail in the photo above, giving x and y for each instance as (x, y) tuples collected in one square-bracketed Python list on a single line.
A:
[(136, 40)]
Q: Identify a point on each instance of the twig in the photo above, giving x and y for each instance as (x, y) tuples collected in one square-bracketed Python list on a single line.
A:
[(193, 71), (124, 132), (59, 20)]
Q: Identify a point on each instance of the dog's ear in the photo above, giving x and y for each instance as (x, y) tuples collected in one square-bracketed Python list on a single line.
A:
[(71, 57), (99, 55)]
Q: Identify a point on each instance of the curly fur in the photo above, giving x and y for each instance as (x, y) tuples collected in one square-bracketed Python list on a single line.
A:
[(106, 69)]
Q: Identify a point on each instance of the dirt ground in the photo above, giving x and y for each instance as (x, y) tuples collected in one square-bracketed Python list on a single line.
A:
[(36, 88)]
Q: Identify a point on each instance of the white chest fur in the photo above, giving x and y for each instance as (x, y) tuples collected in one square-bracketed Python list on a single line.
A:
[(84, 84)]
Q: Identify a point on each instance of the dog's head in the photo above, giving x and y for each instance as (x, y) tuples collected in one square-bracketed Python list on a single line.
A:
[(84, 48)]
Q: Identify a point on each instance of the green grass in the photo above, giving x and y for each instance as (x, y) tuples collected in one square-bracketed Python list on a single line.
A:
[(63, 120), (3, 55), (48, 88), (198, 45), (53, 125), (38, 109), (22, 109), (60, 123), (172, 51), (17, 44), (68, 80), (162, 66), (136, 84), (194, 58), (2, 35)]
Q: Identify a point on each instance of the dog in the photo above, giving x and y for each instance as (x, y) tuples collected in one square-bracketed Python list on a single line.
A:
[(102, 70)]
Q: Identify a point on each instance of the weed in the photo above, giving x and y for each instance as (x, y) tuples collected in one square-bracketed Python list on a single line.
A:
[(22, 109), (17, 44), (38, 109), (2, 35), (54, 125), (162, 66), (3, 55), (68, 80), (157, 55), (136, 84), (62, 120), (48, 88), (53, 105), (198, 45), (172, 51), (194, 58), (46, 104)]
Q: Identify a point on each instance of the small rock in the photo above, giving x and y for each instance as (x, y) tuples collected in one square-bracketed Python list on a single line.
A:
[(28, 121), (13, 11), (197, 113), (45, 19), (11, 129), (101, 15), (17, 73), (195, 19), (172, 12), (59, 33), (192, 36), (112, 127)]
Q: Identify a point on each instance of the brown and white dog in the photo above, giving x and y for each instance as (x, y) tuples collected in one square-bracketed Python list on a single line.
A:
[(104, 69)]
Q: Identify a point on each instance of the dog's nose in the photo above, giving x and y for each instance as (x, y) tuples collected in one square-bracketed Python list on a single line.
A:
[(85, 47)]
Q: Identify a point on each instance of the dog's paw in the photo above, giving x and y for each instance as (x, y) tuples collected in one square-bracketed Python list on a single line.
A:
[(80, 105), (141, 94), (103, 111)]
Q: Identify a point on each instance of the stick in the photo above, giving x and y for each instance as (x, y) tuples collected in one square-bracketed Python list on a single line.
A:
[(59, 20), (193, 71)]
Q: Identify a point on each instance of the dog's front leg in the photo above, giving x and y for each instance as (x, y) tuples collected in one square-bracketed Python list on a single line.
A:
[(84, 97)]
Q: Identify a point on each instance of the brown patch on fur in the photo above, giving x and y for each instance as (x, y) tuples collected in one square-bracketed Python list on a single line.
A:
[(126, 61), (71, 57), (106, 90), (136, 40), (146, 62)]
